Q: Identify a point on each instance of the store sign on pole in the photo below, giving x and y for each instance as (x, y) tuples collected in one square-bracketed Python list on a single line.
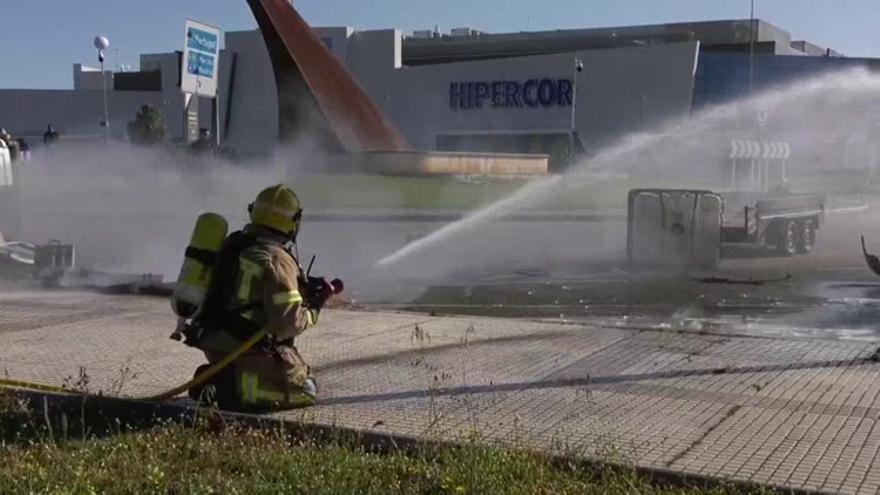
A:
[(192, 119), (201, 55)]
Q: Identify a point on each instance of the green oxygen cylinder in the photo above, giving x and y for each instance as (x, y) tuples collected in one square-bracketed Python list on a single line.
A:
[(198, 265)]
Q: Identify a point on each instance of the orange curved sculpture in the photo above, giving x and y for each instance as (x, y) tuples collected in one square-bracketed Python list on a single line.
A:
[(312, 81)]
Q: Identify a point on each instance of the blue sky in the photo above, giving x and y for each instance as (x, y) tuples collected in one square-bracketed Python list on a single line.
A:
[(42, 38)]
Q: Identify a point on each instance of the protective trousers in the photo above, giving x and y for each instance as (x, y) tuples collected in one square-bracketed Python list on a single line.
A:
[(265, 380)]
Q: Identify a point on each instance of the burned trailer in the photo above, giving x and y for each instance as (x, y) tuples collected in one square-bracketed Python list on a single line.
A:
[(688, 228), (674, 228)]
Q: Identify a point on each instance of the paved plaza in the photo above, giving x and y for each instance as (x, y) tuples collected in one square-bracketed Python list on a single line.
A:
[(795, 412)]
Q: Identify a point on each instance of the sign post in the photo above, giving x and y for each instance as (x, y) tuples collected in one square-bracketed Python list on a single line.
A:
[(199, 70), (578, 67)]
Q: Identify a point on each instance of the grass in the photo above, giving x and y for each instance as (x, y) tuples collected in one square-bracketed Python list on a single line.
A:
[(180, 459), (177, 459)]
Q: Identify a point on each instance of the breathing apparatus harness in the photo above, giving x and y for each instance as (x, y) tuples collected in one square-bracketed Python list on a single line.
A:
[(217, 314)]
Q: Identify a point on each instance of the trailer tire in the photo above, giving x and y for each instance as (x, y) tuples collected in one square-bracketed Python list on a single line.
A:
[(807, 238), (788, 240)]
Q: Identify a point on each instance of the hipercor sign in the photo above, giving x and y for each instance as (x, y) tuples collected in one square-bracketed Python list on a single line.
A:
[(531, 93), (200, 59)]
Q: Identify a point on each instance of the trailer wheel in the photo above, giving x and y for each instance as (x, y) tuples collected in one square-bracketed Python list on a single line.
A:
[(788, 238), (807, 236)]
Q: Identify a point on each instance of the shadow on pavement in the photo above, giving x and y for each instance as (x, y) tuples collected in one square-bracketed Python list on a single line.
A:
[(586, 381), (420, 352)]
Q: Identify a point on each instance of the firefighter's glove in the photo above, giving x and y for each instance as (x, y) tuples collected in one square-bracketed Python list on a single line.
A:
[(320, 290)]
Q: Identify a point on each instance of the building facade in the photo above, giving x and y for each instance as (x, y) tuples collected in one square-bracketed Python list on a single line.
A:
[(544, 92)]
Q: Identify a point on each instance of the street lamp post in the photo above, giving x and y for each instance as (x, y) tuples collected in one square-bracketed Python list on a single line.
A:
[(102, 43), (752, 48), (578, 67)]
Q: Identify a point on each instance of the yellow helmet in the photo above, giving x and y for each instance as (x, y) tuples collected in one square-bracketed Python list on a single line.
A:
[(277, 208)]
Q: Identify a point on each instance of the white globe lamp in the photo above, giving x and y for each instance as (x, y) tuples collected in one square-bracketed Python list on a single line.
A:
[(101, 42)]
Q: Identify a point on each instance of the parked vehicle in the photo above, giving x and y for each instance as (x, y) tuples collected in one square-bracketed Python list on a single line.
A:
[(689, 227)]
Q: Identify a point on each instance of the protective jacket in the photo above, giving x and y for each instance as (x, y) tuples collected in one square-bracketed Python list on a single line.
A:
[(267, 291)]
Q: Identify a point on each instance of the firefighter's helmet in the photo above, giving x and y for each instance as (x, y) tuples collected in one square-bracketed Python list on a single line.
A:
[(277, 208)]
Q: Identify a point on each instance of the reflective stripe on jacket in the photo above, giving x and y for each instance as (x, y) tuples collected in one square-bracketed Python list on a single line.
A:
[(268, 274)]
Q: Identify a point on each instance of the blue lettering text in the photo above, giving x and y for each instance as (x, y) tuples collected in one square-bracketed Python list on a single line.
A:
[(482, 90), (529, 92), (532, 93), (455, 95), (547, 93), (497, 93), (565, 93)]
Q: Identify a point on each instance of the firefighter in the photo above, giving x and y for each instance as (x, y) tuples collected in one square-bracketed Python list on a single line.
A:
[(260, 286)]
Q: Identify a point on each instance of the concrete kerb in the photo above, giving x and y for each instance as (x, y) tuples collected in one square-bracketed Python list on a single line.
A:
[(136, 414)]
